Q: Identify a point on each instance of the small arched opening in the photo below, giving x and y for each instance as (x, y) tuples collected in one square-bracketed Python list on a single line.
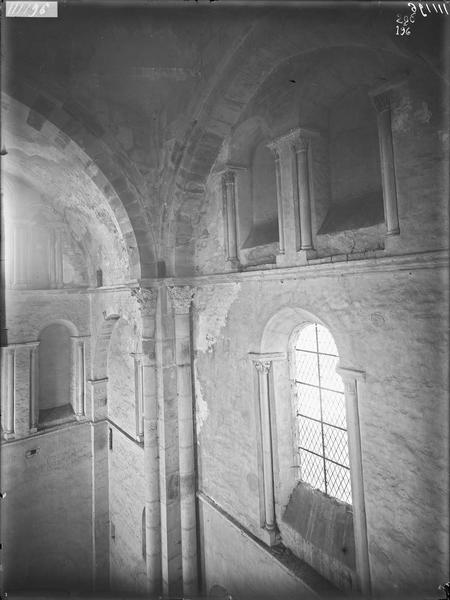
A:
[(55, 375)]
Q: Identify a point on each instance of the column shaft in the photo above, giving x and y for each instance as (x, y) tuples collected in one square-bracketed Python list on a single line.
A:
[(229, 201), (80, 379), (8, 389), (279, 203), (147, 300), (51, 259), (187, 463), (139, 398), (304, 196), (269, 502), (34, 387), (382, 104), (387, 162), (59, 274)]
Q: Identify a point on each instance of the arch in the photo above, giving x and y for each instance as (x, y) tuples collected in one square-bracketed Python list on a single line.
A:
[(280, 328), (65, 129), (70, 326), (272, 42)]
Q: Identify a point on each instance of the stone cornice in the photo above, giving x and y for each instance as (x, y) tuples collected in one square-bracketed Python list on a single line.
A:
[(438, 259), (292, 137)]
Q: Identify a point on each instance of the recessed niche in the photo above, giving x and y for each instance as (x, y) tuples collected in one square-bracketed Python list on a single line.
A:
[(355, 201), (54, 376), (264, 212)]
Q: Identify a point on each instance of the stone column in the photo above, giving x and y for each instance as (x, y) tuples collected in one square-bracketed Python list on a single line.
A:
[(51, 259), (59, 273), (181, 300), (292, 160), (8, 392), (77, 376), (263, 365), (351, 378), (229, 215), (279, 202), (55, 264), (263, 368), (382, 103), (303, 192), (139, 396), (34, 387), (147, 301)]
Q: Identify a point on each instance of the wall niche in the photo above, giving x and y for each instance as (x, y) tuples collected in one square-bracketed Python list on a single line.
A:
[(55, 406), (352, 218), (250, 196)]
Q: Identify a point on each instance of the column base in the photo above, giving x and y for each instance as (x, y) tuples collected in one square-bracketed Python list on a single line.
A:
[(33, 429), (271, 537), (235, 264), (8, 435), (392, 243)]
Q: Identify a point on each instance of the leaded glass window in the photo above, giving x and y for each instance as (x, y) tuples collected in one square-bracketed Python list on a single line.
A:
[(320, 409)]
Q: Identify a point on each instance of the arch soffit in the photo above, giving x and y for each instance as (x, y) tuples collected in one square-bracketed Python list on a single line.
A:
[(282, 326), (120, 183), (73, 331)]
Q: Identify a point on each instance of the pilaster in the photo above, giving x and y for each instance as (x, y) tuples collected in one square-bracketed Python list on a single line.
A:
[(381, 99), (352, 379)]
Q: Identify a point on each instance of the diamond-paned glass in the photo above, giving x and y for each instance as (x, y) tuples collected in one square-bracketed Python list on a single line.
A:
[(310, 435), (307, 367), (311, 470), (321, 418), (338, 482), (308, 401), (328, 377), (333, 408), (336, 447)]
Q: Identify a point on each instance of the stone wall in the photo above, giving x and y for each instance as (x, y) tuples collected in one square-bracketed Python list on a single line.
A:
[(47, 511), (126, 503), (386, 322), (235, 561)]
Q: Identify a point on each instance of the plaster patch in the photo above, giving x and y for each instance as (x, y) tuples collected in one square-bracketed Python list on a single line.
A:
[(213, 305), (201, 406)]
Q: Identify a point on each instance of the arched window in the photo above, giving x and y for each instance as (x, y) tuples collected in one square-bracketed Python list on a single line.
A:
[(322, 441)]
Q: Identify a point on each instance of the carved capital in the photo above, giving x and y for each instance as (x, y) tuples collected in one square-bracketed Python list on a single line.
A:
[(297, 138), (228, 178), (181, 297), (382, 102), (263, 366), (146, 299)]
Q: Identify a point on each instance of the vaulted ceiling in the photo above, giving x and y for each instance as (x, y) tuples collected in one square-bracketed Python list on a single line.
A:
[(150, 92)]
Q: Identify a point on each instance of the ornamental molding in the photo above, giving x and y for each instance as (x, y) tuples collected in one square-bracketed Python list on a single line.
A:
[(181, 297), (299, 138), (146, 299)]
